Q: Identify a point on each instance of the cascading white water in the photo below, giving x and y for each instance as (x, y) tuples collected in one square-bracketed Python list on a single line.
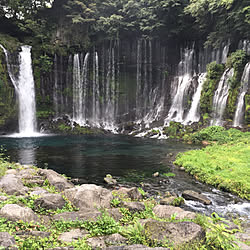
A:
[(193, 114), (25, 90), (26, 94), (245, 81), (55, 87), (220, 97), (79, 89), (183, 81)]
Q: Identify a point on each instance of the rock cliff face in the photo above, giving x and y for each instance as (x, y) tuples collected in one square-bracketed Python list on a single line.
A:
[(141, 81)]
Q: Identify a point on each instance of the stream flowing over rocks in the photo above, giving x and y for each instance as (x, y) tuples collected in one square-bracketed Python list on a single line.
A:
[(51, 192)]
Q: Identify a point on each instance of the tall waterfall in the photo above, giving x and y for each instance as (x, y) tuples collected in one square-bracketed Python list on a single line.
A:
[(79, 89), (183, 81), (220, 97), (25, 90), (239, 113), (194, 114)]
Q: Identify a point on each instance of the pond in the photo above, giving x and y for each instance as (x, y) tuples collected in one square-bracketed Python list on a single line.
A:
[(90, 158)]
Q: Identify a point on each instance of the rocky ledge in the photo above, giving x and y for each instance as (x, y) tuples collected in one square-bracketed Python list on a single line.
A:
[(41, 209)]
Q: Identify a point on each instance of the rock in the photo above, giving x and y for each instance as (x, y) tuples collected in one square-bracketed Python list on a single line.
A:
[(131, 193), (33, 233), (167, 200), (50, 201), (14, 212), (6, 240), (38, 191), (177, 233), (135, 247), (115, 239), (182, 168), (89, 196), (72, 235), (110, 180), (27, 173), (156, 174), (192, 195), (242, 236), (134, 206), (67, 216), (96, 242), (12, 185), (115, 213), (11, 171), (242, 246), (164, 211), (55, 179)]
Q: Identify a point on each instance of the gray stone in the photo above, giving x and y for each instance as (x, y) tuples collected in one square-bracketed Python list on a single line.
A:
[(135, 247), (96, 242), (89, 196), (177, 233), (39, 191), (165, 211), (27, 173), (110, 180), (131, 193), (50, 201), (14, 212), (242, 246), (6, 240), (67, 216), (167, 200), (115, 239), (72, 235), (11, 171), (55, 179), (192, 195), (12, 185), (134, 206), (33, 233), (115, 213)]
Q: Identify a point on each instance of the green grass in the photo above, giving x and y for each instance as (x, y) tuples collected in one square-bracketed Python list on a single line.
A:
[(224, 166)]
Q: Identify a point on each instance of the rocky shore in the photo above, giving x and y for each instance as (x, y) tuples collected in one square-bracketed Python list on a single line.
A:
[(41, 209)]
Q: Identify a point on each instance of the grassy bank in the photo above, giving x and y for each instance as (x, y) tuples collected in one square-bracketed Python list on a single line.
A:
[(224, 164)]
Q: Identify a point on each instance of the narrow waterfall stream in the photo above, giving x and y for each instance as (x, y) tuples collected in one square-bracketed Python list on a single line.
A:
[(245, 81), (25, 90), (220, 97), (194, 114), (183, 81)]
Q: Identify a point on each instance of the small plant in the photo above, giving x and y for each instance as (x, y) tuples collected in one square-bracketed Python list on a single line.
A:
[(141, 191), (115, 202), (168, 174), (177, 201)]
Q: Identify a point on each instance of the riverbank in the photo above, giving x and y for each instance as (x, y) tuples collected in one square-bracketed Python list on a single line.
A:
[(42, 209), (224, 163)]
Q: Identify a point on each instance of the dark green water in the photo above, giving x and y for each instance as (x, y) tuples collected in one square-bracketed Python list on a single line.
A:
[(92, 157)]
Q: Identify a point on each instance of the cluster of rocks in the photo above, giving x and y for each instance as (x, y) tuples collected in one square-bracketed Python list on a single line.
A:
[(26, 181)]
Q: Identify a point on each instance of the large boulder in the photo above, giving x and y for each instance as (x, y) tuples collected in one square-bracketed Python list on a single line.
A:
[(192, 195), (177, 233), (165, 211), (50, 201), (6, 240), (131, 193), (89, 196), (15, 212), (74, 234), (11, 185), (135, 247), (134, 206), (55, 179)]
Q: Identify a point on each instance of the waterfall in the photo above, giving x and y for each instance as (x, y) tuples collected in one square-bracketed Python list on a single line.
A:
[(25, 90), (80, 89), (183, 81), (96, 91), (239, 113), (220, 97), (55, 88), (193, 114)]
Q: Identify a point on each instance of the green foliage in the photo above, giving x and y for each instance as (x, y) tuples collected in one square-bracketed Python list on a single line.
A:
[(214, 72), (216, 134), (115, 202), (168, 174), (177, 201), (224, 166)]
